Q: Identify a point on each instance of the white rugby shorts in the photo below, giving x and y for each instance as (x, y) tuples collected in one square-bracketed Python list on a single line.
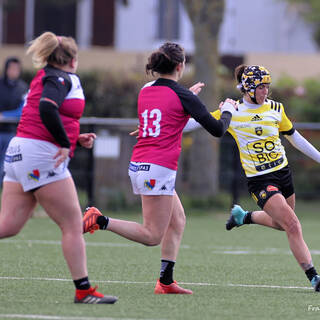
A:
[(30, 162), (151, 179)]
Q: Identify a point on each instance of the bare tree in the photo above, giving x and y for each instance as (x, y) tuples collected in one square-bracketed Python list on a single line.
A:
[(310, 11), (206, 17)]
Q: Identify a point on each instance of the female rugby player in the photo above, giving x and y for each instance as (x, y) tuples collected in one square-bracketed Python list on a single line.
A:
[(36, 161), (164, 108), (256, 127)]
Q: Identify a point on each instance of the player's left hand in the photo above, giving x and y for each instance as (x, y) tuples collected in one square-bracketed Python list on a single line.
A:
[(231, 101), (135, 133), (86, 139), (196, 88)]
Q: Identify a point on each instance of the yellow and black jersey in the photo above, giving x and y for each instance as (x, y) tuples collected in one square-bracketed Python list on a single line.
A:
[(256, 131)]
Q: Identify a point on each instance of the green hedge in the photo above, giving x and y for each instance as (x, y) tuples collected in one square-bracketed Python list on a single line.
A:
[(110, 94), (115, 95)]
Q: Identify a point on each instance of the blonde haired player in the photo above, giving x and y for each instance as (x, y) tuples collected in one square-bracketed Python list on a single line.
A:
[(256, 127), (36, 162)]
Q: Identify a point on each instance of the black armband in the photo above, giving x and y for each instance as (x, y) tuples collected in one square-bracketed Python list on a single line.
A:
[(289, 132)]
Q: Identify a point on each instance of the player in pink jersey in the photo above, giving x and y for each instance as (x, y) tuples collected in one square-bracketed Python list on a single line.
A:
[(36, 162), (164, 108)]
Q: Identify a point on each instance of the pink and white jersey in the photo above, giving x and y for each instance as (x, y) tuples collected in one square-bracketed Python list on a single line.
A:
[(161, 119), (71, 106), (164, 108)]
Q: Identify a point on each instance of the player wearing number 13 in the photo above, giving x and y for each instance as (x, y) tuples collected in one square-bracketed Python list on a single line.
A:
[(256, 127), (164, 108)]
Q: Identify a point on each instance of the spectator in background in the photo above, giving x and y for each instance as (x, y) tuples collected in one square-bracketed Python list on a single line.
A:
[(12, 92)]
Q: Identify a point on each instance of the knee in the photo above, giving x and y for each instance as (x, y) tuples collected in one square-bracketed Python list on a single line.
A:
[(71, 227), (278, 226), (8, 233), (152, 237), (179, 222), (152, 241), (182, 220), (293, 227), (8, 230)]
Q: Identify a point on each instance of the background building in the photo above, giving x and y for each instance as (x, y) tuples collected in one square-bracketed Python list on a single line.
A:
[(268, 31), (140, 25)]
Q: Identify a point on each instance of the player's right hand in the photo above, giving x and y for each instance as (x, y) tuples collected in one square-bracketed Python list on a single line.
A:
[(61, 156)]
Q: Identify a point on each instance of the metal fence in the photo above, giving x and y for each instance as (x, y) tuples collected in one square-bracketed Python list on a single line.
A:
[(107, 181), (102, 172)]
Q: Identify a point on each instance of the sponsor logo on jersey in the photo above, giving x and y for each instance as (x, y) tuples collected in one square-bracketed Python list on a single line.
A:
[(34, 175), (262, 194), (258, 131), (150, 183), (13, 158), (51, 173), (272, 188), (163, 187), (142, 167), (243, 126), (256, 118)]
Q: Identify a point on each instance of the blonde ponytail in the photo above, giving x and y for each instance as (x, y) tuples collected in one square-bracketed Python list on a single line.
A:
[(49, 48), (42, 47)]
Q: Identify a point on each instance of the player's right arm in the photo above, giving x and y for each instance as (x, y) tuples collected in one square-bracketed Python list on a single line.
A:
[(296, 139)]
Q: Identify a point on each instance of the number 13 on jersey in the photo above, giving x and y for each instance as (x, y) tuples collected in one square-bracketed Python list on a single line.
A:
[(151, 123)]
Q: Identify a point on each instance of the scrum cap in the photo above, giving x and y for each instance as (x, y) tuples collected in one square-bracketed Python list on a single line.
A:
[(252, 77)]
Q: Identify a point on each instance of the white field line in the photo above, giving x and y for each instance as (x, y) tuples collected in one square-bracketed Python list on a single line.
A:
[(149, 282), (48, 317), (217, 249), (265, 251), (89, 244)]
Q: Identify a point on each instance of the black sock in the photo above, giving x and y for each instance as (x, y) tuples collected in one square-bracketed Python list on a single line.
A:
[(247, 218), (103, 222), (82, 284), (310, 273), (166, 271)]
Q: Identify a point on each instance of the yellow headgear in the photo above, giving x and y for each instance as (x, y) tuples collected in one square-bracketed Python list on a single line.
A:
[(252, 77)]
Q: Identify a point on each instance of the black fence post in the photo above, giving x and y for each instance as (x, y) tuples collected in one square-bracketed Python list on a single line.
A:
[(236, 174), (90, 172)]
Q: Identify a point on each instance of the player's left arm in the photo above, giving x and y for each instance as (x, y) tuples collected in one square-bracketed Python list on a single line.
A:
[(296, 139), (192, 124)]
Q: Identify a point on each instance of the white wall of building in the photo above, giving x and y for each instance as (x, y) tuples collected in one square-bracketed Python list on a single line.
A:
[(135, 25), (262, 26)]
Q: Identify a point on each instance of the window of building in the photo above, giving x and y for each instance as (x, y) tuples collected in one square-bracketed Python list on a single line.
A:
[(13, 21), (169, 19), (58, 16), (103, 22)]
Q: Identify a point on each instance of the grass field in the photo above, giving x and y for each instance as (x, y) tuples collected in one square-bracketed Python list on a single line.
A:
[(247, 273)]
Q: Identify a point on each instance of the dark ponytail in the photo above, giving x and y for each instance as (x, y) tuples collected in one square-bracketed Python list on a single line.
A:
[(165, 59), (238, 75)]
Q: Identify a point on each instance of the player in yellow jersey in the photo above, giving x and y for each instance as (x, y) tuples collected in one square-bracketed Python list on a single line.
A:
[(256, 127)]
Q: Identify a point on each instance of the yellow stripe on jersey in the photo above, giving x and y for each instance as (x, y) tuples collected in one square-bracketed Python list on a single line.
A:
[(256, 132)]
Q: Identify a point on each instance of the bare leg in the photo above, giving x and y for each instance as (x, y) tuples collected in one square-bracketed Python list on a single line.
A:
[(282, 214), (16, 208), (262, 218), (60, 201), (157, 211), (171, 241)]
